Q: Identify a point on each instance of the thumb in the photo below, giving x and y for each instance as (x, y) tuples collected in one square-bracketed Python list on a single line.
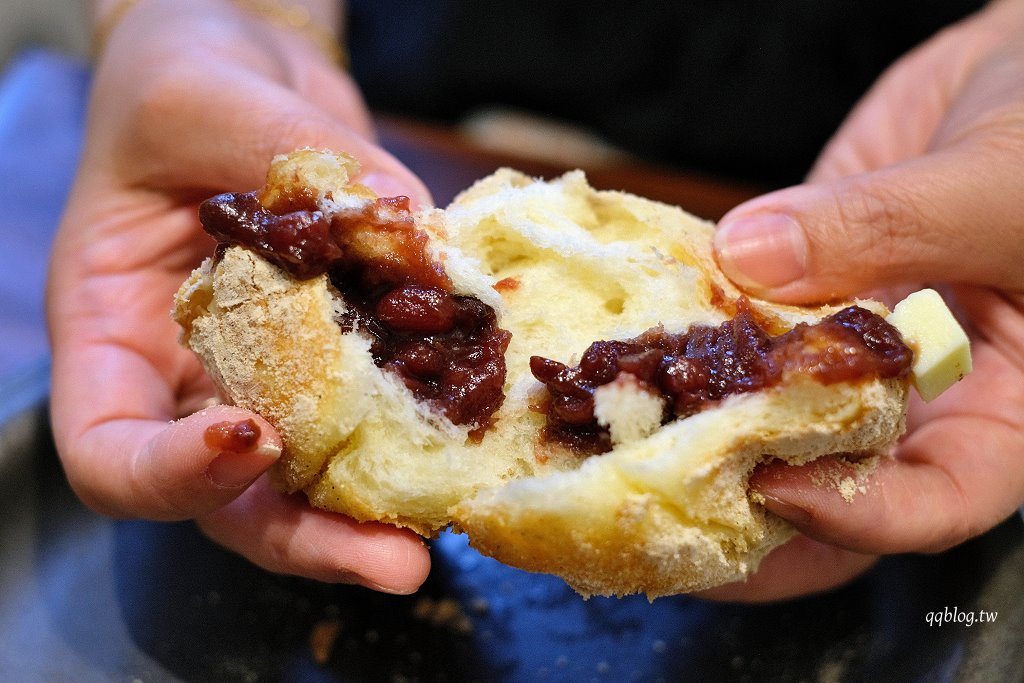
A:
[(171, 471), (946, 216)]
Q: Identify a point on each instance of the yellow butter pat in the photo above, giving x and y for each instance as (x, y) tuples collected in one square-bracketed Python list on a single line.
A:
[(942, 353)]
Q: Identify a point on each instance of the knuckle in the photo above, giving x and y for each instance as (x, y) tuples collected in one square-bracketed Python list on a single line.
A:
[(885, 217), (946, 522), (278, 553), (959, 524), (157, 101), (157, 495), (286, 131), (953, 534), (75, 461), (152, 125), (882, 224)]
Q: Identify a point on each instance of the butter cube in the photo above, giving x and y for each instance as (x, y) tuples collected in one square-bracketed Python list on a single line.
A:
[(942, 353)]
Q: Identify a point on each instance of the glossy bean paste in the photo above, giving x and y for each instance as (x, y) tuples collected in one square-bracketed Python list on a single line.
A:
[(449, 350), (699, 367), (446, 348)]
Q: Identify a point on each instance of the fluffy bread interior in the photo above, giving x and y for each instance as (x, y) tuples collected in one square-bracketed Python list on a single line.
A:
[(665, 511)]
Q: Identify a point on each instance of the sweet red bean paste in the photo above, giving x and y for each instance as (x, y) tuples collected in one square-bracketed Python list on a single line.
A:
[(694, 369), (449, 350), (233, 437), (446, 348)]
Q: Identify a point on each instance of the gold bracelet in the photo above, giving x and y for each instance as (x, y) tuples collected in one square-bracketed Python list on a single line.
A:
[(297, 18), (294, 17)]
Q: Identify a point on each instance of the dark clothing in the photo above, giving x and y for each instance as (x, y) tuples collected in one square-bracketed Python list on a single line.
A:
[(748, 90)]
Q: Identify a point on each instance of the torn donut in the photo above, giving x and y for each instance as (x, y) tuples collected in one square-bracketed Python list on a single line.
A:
[(561, 373)]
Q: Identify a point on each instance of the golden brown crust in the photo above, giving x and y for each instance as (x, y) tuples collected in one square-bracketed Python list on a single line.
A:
[(272, 346), (670, 513), (663, 512)]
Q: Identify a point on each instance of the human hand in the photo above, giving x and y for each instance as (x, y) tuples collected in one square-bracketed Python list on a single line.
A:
[(920, 186), (191, 99)]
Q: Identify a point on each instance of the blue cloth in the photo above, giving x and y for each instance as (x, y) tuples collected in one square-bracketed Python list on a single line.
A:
[(42, 112)]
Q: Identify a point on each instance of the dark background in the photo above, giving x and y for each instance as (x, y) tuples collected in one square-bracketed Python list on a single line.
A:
[(750, 90)]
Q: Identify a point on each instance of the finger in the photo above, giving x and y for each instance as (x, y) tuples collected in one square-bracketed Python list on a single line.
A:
[(247, 120), (895, 511), (284, 534), (800, 567), (134, 466), (954, 479), (336, 93), (878, 131), (914, 221)]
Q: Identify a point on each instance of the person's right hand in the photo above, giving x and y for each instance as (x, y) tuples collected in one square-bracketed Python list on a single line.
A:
[(191, 99), (921, 186)]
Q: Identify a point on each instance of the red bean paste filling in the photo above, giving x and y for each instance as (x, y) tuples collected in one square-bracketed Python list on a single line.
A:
[(233, 437), (695, 369), (446, 348), (449, 350)]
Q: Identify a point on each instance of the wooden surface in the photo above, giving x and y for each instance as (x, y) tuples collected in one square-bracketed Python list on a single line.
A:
[(42, 104)]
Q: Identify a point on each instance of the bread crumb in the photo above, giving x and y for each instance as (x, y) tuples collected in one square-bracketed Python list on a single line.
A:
[(322, 639), (443, 613), (848, 488), (480, 605), (850, 477)]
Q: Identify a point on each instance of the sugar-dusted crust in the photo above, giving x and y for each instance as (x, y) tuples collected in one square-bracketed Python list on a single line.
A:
[(271, 345), (670, 513), (661, 513)]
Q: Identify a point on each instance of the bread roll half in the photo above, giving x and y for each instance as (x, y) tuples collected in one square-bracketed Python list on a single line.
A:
[(665, 510)]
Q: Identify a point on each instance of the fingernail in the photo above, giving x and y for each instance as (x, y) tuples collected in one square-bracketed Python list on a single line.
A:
[(762, 251), (380, 588), (232, 470), (350, 577), (786, 510)]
